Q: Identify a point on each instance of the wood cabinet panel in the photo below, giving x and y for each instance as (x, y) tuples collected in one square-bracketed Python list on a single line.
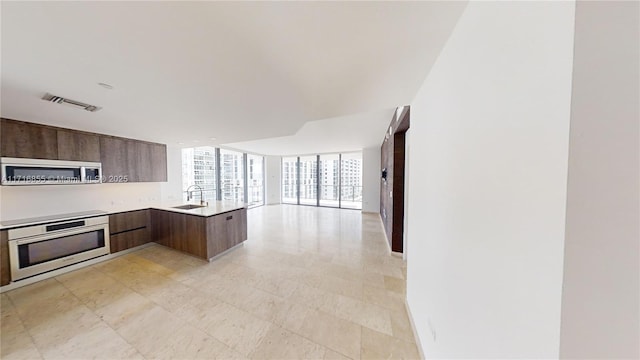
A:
[(123, 160), (159, 162), (79, 146), (117, 161), (216, 235), (194, 241), (138, 161), (128, 221), (26, 140), (225, 231), (5, 273), (178, 231), (128, 239), (151, 162), (129, 229), (204, 237), (236, 227)]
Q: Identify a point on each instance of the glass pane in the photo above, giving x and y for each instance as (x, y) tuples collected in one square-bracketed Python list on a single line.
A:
[(351, 181), (255, 178), (290, 180), (232, 175), (199, 168), (47, 250), (308, 180), (329, 180)]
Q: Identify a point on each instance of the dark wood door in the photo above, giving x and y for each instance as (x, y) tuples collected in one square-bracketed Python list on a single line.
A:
[(160, 227), (5, 274), (180, 231), (236, 224), (225, 231), (118, 159), (217, 235), (76, 145), (158, 162), (151, 160), (144, 171), (25, 140)]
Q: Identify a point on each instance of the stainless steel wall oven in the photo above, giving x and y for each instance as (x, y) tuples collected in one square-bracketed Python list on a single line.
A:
[(40, 248)]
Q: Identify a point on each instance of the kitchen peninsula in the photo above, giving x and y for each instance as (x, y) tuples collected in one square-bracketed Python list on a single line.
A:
[(202, 231)]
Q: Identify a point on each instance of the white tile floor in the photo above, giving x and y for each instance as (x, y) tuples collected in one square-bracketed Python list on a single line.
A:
[(309, 282)]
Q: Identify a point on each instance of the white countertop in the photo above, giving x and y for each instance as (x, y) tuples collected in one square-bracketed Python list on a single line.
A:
[(214, 208)]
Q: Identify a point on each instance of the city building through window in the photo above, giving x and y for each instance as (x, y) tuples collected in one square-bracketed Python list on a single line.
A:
[(223, 174), (333, 180)]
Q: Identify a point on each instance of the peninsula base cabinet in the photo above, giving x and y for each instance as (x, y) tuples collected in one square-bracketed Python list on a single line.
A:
[(203, 237)]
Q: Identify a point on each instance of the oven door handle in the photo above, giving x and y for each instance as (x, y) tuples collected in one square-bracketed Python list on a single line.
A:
[(59, 234)]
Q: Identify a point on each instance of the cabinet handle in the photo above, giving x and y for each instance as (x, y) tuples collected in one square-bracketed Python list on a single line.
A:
[(229, 217)]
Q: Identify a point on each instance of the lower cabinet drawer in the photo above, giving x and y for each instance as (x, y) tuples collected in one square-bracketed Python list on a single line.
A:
[(129, 239), (128, 220)]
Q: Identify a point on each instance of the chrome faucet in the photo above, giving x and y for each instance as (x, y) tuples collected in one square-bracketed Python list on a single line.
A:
[(202, 202)]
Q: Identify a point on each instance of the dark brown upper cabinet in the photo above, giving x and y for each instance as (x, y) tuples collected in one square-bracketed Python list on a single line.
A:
[(118, 161), (152, 161), (25, 140), (125, 160), (80, 146)]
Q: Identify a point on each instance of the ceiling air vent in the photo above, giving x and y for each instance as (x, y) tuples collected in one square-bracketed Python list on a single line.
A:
[(73, 103)]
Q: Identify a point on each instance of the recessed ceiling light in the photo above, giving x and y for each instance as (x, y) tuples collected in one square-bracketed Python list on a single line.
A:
[(106, 86)]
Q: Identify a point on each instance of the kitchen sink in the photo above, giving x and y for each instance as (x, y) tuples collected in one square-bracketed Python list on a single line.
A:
[(188, 207)]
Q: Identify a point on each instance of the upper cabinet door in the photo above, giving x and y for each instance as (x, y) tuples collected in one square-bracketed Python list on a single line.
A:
[(75, 145), (151, 160), (114, 154), (159, 160), (24, 140), (125, 160)]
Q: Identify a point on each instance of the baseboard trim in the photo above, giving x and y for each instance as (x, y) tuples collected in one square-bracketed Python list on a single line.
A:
[(413, 327)]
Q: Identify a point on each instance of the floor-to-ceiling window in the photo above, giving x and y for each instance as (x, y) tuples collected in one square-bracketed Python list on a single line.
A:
[(199, 168), (333, 180), (223, 175), (308, 170), (329, 180), (290, 180), (255, 180), (232, 175), (351, 180)]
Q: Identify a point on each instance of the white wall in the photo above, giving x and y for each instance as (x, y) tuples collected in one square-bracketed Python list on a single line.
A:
[(172, 189), (273, 176), (488, 172), (371, 179), (19, 202), (600, 303)]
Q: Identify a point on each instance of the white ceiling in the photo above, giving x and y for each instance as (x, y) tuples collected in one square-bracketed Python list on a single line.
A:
[(343, 133), (237, 71)]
